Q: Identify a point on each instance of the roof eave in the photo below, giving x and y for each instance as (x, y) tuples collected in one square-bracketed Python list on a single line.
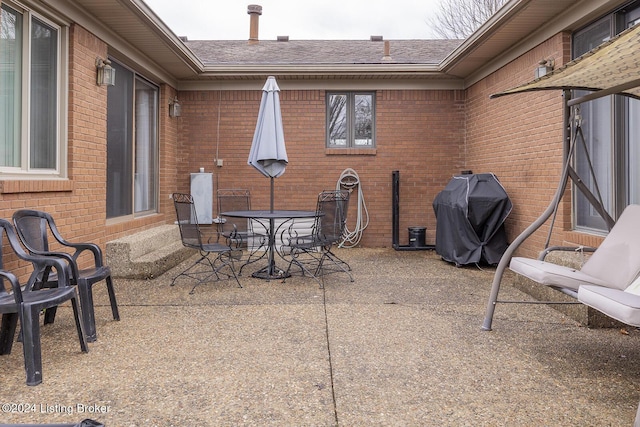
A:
[(174, 42), (303, 70), (516, 28), (139, 36), (482, 34)]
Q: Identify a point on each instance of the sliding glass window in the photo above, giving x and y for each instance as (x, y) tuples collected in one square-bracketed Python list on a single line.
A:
[(611, 128), (30, 87), (132, 145)]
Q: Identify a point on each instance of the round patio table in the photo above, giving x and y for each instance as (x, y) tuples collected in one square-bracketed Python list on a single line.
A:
[(271, 271)]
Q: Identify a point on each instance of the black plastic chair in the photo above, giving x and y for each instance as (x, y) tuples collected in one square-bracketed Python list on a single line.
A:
[(32, 227), (25, 303), (240, 231), (193, 237), (312, 253)]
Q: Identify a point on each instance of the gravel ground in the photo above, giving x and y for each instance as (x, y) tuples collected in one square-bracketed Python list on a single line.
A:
[(400, 346)]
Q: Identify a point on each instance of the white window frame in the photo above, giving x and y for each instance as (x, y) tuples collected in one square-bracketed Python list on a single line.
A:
[(61, 117)]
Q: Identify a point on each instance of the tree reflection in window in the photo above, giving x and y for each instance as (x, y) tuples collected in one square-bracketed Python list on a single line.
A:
[(363, 120), (350, 120), (338, 120)]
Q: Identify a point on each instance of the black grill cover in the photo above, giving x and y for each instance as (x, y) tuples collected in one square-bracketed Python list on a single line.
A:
[(470, 214)]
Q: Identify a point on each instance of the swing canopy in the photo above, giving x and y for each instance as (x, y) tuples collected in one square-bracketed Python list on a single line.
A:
[(613, 67)]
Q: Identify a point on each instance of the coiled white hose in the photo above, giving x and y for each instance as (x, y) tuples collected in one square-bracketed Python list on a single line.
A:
[(349, 180)]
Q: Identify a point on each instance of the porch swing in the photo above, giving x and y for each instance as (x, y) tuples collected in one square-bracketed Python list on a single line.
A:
[(608, 281)]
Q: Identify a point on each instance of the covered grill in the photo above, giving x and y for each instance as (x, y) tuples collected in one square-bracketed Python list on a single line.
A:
[(470, 214)]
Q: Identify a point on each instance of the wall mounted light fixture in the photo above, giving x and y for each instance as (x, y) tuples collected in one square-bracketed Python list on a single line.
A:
[(175, 109), (106, 75), (544, 67)]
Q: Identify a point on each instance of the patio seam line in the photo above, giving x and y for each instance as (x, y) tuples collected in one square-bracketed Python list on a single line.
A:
[(326, 328)]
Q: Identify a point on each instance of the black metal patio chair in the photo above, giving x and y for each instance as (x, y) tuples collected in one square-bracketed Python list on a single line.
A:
[(312, 253), (25, 303), (240, 230), (34, 229), (192, 237)]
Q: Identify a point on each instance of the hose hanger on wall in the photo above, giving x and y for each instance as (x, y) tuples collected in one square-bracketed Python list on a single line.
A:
[(349, 180)]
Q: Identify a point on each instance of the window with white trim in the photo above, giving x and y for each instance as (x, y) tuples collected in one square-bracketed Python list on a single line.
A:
[(351, 120), (31, 107)]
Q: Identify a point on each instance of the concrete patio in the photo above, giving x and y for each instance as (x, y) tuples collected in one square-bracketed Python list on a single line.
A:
[(401, 346)]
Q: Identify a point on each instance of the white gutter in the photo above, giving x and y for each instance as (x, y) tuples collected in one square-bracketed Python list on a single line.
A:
[(128, 52), (173, 41), (320, 69), (482, 34)]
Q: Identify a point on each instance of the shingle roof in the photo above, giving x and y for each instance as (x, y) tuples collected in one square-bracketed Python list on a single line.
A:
[(272, 52)]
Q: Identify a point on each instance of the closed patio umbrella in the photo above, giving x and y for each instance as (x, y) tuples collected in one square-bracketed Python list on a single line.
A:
[(269, 155), (268, 152)]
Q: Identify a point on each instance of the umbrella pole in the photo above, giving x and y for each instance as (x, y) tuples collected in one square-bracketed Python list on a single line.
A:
[(271, 194), (272, 239)]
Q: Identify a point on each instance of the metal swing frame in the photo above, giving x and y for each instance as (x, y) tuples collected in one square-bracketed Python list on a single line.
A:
[(572, 134)]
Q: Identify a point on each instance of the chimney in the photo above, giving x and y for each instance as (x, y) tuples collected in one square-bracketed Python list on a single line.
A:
[(387, 51), (254, 11)]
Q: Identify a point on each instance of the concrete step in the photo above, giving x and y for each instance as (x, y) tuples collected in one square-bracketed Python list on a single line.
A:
[(146, 254)]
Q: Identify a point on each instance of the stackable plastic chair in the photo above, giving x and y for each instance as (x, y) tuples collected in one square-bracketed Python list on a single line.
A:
[(193, 237), (34, 228), (25, 303), (312, 253)]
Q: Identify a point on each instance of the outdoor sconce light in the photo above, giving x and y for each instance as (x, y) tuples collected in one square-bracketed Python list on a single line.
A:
[(175, 109), (106, 73), (545, 66)]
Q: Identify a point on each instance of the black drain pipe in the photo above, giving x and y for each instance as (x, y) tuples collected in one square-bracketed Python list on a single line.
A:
[(395, 218)]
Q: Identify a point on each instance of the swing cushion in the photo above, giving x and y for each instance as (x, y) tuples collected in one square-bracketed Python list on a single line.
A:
[(620, 305), (554, 275), (617, 259), (615, 264)]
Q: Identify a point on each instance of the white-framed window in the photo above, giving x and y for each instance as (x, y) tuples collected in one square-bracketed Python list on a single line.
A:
[(351, 119), (31, 82), (132, 145)]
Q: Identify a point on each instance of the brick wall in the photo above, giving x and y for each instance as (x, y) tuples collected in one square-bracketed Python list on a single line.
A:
[(79, 203), (519, 138), (168, 151), (428, 135), (419, 133)]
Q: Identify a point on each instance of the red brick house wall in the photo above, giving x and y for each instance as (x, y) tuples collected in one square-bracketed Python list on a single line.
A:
[(418, 132), (79, 203), (428, 135), (519, 138)]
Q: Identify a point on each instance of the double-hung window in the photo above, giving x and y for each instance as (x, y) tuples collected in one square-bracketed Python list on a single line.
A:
[(30, 86), (611, 127), (351, 120)]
